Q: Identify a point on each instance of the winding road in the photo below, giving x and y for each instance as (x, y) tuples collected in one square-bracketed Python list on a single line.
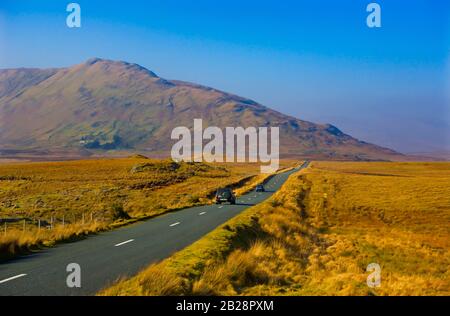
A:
[(106, 257)]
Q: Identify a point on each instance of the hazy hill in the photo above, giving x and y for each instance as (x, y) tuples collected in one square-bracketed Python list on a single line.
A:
[(103, 105)]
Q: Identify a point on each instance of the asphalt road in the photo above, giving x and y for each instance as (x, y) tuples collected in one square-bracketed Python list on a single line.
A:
[(105, 257)]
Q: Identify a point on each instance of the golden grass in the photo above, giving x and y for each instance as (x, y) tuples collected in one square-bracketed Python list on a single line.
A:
[(16, 242), (93, 195), (317, 235)]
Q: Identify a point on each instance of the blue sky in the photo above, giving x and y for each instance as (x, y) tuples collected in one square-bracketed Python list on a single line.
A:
[(316, 60)]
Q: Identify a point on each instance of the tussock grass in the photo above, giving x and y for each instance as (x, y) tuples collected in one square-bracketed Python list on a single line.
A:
[(317, 235), (16, 242)]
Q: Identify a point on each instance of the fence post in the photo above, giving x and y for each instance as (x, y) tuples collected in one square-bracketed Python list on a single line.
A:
[(82, 220), (39, 224), (63, 221), (91, 217)]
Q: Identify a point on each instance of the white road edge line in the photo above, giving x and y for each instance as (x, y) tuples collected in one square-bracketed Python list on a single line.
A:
[(123, 243), (12, 278), (174, 224), (202, 213)]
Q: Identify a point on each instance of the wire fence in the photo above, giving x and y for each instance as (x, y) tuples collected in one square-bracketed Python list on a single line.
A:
[(48, 223)]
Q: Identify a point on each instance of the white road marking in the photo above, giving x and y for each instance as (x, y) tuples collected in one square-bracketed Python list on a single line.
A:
[(174, 224), (202, 213), (123, 243), (220, 206), (12, 278)]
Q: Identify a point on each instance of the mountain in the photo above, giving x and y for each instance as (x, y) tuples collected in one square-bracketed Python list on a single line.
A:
[(103, 107)]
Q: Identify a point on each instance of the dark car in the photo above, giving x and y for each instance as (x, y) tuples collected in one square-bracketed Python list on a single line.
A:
[(225, 195), (260, 188)]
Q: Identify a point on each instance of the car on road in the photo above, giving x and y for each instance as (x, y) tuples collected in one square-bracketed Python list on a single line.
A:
[(260, 188), (225, 195)]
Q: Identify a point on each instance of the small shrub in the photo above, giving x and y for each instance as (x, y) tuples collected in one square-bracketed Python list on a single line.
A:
[(194, 199), (118, 212)]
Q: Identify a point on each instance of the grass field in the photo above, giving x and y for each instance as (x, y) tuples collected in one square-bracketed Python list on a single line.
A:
[(317, 236), (43, 203)]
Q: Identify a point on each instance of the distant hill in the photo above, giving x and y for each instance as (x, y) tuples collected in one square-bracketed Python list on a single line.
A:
[(105, 107)]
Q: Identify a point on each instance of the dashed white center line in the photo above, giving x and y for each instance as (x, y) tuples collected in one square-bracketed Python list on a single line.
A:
[(174, 224), (220, 206), (202, 213), (12, 278), (123, 243)]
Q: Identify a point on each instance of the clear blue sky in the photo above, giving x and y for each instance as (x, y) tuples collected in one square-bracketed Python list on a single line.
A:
[(316, 60)]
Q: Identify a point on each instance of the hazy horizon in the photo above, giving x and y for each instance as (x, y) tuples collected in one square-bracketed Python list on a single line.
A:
[(318, 62)]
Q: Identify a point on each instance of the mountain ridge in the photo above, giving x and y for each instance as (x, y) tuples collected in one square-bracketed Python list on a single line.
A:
[(101, 107)]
